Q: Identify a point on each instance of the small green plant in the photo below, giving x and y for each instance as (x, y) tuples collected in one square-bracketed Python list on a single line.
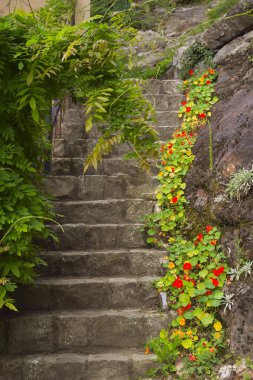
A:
[(198, 57), (240, 184), (221, 8), (154, 72)]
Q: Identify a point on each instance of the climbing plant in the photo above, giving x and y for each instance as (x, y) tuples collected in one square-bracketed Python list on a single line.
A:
[(41, 59), (195, 264)]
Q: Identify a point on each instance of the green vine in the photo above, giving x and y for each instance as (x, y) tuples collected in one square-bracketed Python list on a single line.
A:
[(195, 265)]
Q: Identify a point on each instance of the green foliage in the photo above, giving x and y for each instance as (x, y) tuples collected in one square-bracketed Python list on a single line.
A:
[(240, 184), (154, 72), (42, 60), (222, 7), (143, 15), (195, 268), (103, 7), (196, 57)]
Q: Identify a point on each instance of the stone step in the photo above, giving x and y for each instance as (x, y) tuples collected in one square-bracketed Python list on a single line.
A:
[(158, 86), (82, 329), (80, 236), (113, 364), (94, 187), (109, 166), (104, 211), (164, 102), (73, 128), (72, 293), (82, 147), (136, 262)]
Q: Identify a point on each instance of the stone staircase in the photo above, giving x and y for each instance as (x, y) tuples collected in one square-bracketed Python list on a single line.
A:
[(90, 313)]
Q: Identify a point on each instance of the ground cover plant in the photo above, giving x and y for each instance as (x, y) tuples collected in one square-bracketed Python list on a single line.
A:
[(195, 265), (41, 59)]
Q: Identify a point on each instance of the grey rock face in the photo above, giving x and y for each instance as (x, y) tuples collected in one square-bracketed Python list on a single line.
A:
[(224, 31)]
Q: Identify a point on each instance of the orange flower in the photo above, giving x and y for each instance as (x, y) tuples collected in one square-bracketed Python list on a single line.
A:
[(147, 351), (211, 71), (181, 321)]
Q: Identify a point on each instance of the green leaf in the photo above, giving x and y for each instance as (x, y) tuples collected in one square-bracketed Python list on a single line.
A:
[(188, 315), (184, 299), (20, 66), (151, 232), (33, 104), (29, 78), (88, 124), (203, 273), (187, 343), (198, 312), (11, 306), (206, 319), (164, 334)]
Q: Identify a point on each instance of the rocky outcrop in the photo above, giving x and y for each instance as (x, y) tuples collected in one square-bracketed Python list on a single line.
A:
[(231, 134)]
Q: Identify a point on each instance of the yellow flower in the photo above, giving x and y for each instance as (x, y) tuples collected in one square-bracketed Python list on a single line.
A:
[(189, 332), (181, 321), (171, 240), (217, 335), (217, 326), (160, 174), (196, 337), (186, 81), (171, 265), (196, 82)]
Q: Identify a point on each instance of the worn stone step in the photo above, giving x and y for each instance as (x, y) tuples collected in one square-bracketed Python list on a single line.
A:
[(167, 118), (134, 262), (81, 237), (114, 364), (43, 332), (80, 148), (109, 166), (93, 187), (158, 86), (73, 293), (104, 211), (164, 102)]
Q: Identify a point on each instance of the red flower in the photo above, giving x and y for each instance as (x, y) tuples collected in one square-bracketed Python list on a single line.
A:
[(169, 146), (192, 358), (186, 278), (187, 266), (219, 271), (191, 72), (215, 281), (213, 242), (184, 103), (163, 162), (188, 109), (191, 134), (202, 115), (162, 148), (178, 135), (195, 243), (208, 82), (170, 151), (183, 134), (208, 293), (188, 306), (209, 228), (200, 237), (205, 75), (178, 283), (172, 169), (180, 311), (174, 199)]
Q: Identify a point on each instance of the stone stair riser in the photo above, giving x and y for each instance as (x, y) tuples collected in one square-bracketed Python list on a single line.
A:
[(111, 211), (77, 330), (96, 264), (98, 187), (76, 367), (88, 294), (86, 237), (164, 102), (109, 166)]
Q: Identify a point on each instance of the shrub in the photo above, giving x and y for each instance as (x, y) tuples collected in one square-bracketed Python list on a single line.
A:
[(197, 57)]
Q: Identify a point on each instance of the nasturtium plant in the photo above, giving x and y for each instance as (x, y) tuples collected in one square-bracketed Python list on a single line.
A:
[(195, 266)]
